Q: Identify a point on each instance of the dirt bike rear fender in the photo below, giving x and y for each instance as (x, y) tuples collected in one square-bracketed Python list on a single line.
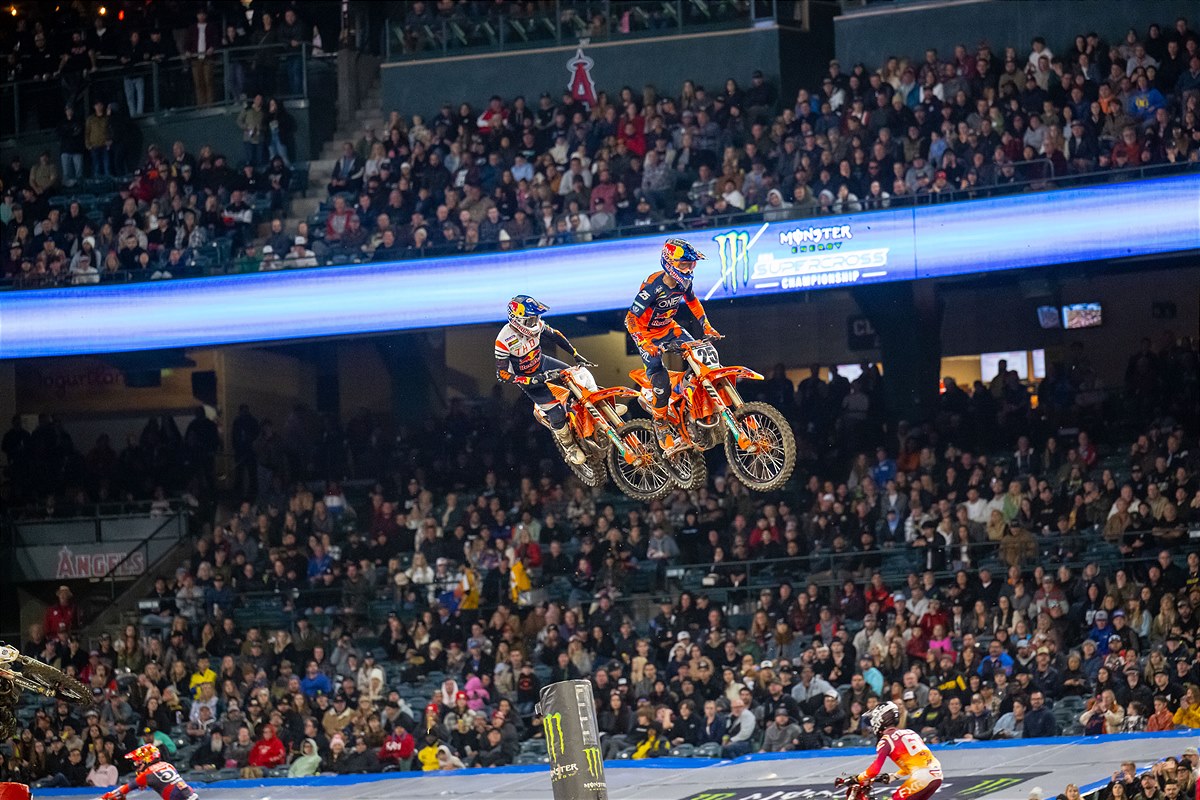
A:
[(732, 373)]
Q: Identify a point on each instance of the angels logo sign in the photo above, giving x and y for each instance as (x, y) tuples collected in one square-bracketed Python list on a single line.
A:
[(581, 85)]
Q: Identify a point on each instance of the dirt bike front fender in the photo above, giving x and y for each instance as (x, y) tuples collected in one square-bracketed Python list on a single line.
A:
[(615, 391)]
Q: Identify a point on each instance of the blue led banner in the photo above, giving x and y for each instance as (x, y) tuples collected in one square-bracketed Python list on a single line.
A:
[(1022, 230)]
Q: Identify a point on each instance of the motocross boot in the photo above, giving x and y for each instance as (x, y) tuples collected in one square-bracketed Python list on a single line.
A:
[(664, 431), (571, 451)]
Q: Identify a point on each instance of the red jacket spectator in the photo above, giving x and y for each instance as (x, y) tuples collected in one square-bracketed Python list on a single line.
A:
[(65, 613), (879, 594), (634, 139), (338, 221), (932, 618), (1129, 147), (397, 747), (268, 751)]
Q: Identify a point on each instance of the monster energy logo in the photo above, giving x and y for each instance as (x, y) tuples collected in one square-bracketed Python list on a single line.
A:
[(733, 249), (594, 761), (552, 728), (988, 786)]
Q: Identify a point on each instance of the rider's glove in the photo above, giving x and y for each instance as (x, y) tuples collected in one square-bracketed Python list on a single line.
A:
[(709, 331), (580, 361), (839, 781), (884, 777)]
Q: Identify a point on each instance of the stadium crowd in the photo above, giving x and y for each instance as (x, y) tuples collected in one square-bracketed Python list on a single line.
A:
[(523, 173), (1016, 592)]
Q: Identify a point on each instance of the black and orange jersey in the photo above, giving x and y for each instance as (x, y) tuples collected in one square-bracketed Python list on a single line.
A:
[(652, 314)]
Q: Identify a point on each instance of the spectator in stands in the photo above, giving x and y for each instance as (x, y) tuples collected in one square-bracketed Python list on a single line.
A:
[(252, 122), (737, 738), (300, 255), (347, 171), (200, 46), (63, 616), (98, 139)]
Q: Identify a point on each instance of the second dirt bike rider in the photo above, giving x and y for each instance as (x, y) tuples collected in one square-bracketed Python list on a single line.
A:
[(154, 774), (519, 360), (651, 323), (920, 770)]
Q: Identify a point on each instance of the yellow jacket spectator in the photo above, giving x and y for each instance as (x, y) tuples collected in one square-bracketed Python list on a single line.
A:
[(203, 674), (1188, 714), (427, 756), (519, 582)]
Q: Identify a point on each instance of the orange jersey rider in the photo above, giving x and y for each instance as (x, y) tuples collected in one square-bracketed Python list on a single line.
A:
[(916, 764), (651, 320)]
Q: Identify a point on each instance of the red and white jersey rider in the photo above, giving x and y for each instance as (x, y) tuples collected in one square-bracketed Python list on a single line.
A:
[(154, 774), (915, 762)]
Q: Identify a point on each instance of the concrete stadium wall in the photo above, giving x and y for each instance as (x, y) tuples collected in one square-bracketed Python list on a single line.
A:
[(420, 87), (872, 34)]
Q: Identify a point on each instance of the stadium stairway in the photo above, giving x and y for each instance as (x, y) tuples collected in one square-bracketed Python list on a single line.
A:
[(369, 114)]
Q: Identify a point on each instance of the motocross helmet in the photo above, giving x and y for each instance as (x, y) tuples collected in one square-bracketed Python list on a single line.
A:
[(146, 754), (525, 315), (679, 260), (886, 715)]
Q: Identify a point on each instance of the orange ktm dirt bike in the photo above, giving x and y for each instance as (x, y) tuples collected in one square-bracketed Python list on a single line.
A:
[(596, 421), (706, 409)]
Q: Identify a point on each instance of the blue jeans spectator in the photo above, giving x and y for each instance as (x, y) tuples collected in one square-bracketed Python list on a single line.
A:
[(277, 148), (101, 162), (252, 153), (735, 749), (135, 95), (295, 74), (72, 167)]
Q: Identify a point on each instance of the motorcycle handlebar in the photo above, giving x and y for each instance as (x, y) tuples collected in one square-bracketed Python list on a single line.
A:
[(679, 345)]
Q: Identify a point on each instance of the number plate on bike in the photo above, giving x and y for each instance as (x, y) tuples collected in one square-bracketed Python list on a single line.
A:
[(706, 354)]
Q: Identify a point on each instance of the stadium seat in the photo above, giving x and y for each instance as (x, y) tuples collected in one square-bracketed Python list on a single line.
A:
[(852, 741)]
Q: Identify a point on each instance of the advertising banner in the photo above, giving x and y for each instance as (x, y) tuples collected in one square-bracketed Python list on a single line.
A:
[(764, 258), (572, 741), (78, 550), (966, 788)]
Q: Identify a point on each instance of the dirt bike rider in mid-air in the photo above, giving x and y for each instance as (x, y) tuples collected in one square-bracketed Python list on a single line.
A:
[(154, 774), (921, 771), (651, 323), (519, 360)]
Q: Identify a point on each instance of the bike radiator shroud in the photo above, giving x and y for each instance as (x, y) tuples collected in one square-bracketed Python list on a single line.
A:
[(572, 741)]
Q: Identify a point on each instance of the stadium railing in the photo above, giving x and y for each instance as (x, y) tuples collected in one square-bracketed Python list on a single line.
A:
[(168, 85), (564, 23)]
